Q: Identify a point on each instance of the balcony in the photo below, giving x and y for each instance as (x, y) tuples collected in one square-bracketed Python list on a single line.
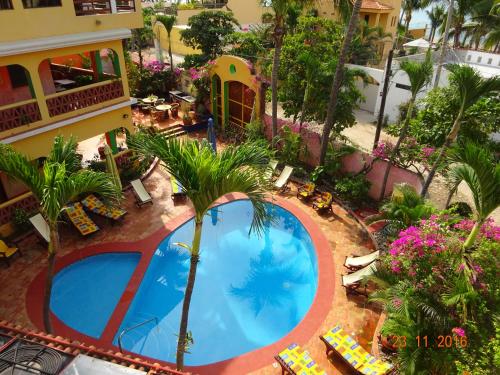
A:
[(86, 7), (19, 114), (76, 99)]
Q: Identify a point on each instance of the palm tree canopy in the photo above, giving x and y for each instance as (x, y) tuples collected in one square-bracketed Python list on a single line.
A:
[(206, 176), (56, 184), (470, 85), (167, 21), (419, 73), (476, 167)]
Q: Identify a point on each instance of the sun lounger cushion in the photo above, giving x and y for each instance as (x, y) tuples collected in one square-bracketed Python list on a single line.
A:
[(299, 361), (307, 190), (176, 186), (6, 251), (284, 177), (95, 205), (80, 219), (270, 169), (362, 261), (41, 226), (355, 354), (357, 276), (140, 192)]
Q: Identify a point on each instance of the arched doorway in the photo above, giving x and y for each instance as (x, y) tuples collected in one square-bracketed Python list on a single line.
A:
[(240, 104)]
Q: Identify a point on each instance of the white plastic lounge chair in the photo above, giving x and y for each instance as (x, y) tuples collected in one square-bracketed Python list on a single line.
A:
[(270, 169), (352, 281), (281, 183), (41, 226), (355, 263), (140, 192)]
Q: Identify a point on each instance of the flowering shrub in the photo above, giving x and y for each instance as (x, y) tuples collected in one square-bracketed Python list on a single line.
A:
[(156, 77), (201, 80)]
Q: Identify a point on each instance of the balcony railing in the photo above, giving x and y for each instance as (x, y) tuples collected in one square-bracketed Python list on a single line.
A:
[(26, 202), (75, 99), (19, 114), (92, 7)]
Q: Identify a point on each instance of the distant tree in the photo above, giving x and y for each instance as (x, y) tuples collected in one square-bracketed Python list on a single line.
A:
[(365, 45), (208, 32), (248, 45), (168, 22), (437, 16)]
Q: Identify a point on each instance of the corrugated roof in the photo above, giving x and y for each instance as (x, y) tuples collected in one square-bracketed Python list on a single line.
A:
[(374, 4)]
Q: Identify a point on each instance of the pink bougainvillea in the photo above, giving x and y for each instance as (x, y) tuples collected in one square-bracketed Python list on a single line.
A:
[(383, 150)]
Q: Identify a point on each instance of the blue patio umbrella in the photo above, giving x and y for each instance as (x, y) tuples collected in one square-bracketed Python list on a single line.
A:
[(211, 134)]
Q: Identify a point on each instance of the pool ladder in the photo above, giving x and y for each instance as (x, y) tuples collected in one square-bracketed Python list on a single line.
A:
[(127, 330)]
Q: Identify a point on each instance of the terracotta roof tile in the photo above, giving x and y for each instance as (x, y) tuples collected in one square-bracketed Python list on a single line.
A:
[(375, 4), (76, 347)]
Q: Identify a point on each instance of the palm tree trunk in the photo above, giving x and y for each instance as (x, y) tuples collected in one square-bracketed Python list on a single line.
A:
[(433, 30), (195, 255), (472, 235), (337, 81), (53, 249), (456, 37), (141, 59), (278, 41), (407, 23), (452, 136), (395, 151), (304, 105), (170, 53)]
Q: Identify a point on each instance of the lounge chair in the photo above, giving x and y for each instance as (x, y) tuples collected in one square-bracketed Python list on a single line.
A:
[(281, 183), (6, 252), (306, 191), (357, 262), (41, 226), (268, 174), (80, 219), (295, 360), (177, 189), (338, 342), (95, 205), (324, 202), (140, 192), (352, 281)]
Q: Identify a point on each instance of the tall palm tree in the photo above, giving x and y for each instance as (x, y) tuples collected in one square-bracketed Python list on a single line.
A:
[(58, 183), (280, 9), (338, 79), (365, 45), (462, 10), (475, 166), (409, 6), (470, 87), (420, 75), (436, 17), (168, 22), (205, 177)]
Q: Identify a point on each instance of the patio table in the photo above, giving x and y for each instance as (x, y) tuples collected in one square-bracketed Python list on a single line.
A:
[(64, 82), (149, 101), (163, 107)]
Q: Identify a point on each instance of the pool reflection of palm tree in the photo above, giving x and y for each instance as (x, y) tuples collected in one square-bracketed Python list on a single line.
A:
[(270, 281)]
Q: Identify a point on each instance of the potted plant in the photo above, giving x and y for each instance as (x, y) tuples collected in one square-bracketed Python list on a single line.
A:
[(187, 120)]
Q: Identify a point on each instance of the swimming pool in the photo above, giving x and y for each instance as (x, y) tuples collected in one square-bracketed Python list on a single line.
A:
[(250, 291)]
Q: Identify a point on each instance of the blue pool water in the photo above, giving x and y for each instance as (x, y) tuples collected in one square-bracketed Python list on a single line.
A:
[(85, 294), (250, 291)]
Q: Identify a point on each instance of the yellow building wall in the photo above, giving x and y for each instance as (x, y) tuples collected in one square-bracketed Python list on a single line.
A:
[(178, 47), (39, 145), (242, 73), (20, 23), (31, 62)]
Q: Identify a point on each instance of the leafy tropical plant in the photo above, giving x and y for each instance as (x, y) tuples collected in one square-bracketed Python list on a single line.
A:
[(205, 177), (290, 146), (475, 166), (365, 45), (168, 22), (471, 87), (57, 184), (420, 75), (353, 188), (436, 17)]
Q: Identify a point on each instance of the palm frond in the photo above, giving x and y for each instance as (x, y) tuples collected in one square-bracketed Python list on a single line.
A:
[(419, 73), (65, 152)]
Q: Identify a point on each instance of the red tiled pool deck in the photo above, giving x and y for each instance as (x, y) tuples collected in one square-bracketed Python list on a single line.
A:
[(335, 236)]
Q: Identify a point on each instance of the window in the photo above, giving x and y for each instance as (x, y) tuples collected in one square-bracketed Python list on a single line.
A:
[(468, 57), (41, 3), (17, 75), (403, 87), (367, 18), (479, 58), (490, 60), (5, 4)]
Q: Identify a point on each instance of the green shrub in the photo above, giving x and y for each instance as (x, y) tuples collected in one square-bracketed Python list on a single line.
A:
[(194, 61), (96, 164), (353, 188), (20, 219)]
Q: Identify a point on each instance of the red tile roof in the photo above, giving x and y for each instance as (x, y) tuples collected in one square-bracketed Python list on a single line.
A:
[(376, 5), (76, 347)]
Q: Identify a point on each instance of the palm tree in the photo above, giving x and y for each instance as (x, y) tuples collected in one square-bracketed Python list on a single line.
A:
[(475, 166), (420, 75), (470, 87), (58, 183), (338, 79), (409, 6), (280, 9), (436, 18), (168, 22), (205, 177), (365, 45)]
